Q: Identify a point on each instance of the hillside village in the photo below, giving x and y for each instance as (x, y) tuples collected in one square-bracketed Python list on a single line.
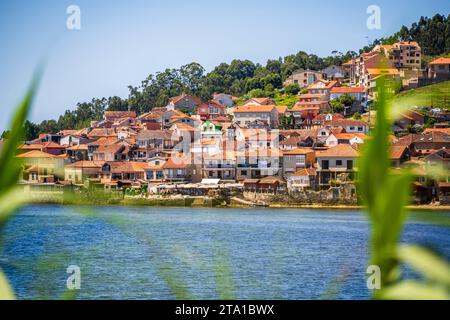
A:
[(197, 148)]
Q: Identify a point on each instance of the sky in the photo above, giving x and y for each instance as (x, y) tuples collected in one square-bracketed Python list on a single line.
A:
[(121, 42)]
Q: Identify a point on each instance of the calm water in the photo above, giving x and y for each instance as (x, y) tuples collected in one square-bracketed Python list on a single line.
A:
[(124, 252)]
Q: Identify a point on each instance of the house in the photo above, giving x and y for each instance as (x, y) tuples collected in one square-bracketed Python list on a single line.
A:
[(359, 93), (258, 163), (180, 168), (211, 130), (304, 78), (80, 171), (114, 116), (398, 155), (322, 87), (321, 119), (47, 147), (296, 159), (334, 139), (184, 102), (96, 133), (409, 118), (128, 171), (224, 99), (42, 167), (425, 143), (373, 74), (334, 72), (349, 125), (302, 179), (336, 164), (365, 61), (78, 152), (244, 116), (259, 102), (403, 54), (266, 184), (308, 97), (439, 69), (154, 172), (348, 68), (440, 157), (113, 152), (221, 165), (211, 110)]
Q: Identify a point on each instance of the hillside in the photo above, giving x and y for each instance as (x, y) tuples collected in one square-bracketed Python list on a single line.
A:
[(436, 95)]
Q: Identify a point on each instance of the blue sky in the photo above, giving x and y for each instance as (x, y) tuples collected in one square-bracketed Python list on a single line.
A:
[(123, 41)]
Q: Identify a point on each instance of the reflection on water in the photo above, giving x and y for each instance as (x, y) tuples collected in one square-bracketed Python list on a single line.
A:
[(273, 254)]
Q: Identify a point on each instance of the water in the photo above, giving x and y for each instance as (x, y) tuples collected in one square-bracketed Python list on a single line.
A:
[(131, 252)]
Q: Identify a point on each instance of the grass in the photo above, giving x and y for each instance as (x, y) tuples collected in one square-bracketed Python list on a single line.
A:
[(11, 196), (432, 95)]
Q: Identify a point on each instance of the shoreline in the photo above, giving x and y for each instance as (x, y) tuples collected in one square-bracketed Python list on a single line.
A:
[(191, 202)]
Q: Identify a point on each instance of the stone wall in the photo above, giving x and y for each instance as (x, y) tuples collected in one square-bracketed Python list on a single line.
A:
[(343, 195)]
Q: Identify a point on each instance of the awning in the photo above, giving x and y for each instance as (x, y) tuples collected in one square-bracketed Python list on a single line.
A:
[(210, 181)]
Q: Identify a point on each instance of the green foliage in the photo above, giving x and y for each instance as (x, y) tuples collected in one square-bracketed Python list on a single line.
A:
[(436, 95), (357, 116), (292, 89), (285, 100), (386, 196), (338, 105)]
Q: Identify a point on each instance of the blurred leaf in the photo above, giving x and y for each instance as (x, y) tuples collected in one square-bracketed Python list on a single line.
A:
[(9, 164), (6, 292), (222, 270), (427, 262), (412, 290)]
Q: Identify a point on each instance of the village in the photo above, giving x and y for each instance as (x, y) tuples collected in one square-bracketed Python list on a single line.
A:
[(255, 150)]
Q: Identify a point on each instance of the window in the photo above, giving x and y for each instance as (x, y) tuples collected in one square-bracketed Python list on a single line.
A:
[(360, 128), (349, 164), (339, 162), (352, 128), (244, 172), (325, 164)]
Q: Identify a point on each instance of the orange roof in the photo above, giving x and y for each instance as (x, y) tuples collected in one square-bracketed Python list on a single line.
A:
[(443, 130), (281, 109), (131, 166), (397, 151), (176, 162), (51, 144), (383, 71), (348, 63), (348, 136), (305, 172), (261, 108), (86, 164), (312, 95), (339, 151), (120, 114), (441, 60), (35, 154), (348, 90), (33, 146), (298, 151)]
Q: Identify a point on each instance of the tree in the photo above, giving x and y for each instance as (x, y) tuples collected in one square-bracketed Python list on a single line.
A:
[(5, 134), (31, 130), (357, 116), (292, 89), (337, 106)]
